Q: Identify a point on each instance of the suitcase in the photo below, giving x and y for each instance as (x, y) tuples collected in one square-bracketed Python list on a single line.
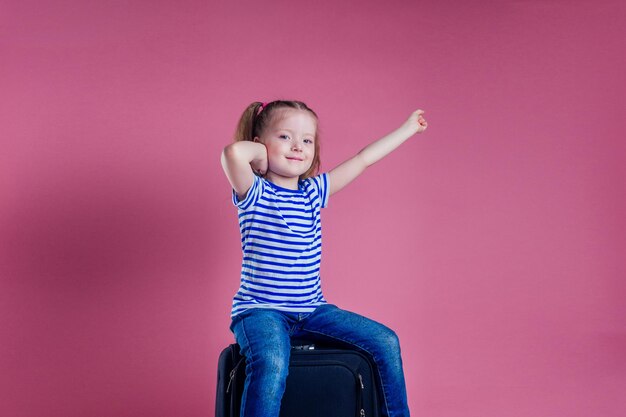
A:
[(323, 381)]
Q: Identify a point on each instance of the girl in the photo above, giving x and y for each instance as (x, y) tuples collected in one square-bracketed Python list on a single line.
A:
[(273, 169)]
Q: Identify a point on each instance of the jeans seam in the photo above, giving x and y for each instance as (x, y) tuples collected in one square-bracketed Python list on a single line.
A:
[(369, 353), (243, 328)]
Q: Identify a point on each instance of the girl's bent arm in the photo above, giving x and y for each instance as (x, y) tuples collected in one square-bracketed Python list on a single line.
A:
[(347, 171), (237, 160)]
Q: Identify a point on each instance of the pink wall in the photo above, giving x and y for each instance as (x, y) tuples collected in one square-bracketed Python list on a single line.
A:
[(493, 243)]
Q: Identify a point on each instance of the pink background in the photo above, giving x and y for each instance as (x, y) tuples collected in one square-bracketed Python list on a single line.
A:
[(493, 243)]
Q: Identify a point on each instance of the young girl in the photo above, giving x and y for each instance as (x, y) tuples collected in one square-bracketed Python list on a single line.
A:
[(273, 169)]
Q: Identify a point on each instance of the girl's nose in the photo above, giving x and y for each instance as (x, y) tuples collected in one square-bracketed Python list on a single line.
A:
[(297, 145)]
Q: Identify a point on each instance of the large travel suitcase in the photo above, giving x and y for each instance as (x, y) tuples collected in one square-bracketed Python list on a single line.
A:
[(322, 382)]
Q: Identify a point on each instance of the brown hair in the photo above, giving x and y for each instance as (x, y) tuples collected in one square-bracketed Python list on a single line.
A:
[(252, 124)]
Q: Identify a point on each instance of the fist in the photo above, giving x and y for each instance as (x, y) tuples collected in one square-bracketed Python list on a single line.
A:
[(416, 122), (259, 166)]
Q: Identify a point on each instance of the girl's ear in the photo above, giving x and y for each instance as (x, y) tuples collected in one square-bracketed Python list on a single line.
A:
[(256, 139)]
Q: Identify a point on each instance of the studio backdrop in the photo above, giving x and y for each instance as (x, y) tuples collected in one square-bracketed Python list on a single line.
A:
[(493, 243)]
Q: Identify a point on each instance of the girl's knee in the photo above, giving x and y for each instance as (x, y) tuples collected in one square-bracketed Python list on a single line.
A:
[(269, 371), (271, 357), (272, 362), (388, 339)]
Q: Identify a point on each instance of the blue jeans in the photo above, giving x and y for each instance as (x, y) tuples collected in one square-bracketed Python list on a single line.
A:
[(264, 337)]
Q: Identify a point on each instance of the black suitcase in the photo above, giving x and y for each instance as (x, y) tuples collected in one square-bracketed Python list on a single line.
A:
[(322, 382)]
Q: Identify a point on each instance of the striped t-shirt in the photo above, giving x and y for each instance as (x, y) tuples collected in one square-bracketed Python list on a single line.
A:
[(281, 241)]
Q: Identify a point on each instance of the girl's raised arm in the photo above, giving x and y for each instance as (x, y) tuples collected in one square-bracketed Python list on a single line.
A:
[(347, 171), (238, 160)]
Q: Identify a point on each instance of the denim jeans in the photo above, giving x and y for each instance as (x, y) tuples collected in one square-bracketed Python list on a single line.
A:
[(264, 337)]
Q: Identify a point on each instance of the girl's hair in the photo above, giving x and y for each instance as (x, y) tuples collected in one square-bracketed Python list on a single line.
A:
[(252, 124)]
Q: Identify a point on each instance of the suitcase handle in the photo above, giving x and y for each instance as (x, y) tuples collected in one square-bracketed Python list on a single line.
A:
[(304, 347)]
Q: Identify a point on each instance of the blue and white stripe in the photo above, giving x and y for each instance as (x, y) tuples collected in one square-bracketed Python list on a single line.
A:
[(281, 241)]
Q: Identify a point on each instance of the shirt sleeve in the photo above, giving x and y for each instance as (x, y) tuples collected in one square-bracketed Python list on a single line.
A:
[(252, 196), (322, 185)]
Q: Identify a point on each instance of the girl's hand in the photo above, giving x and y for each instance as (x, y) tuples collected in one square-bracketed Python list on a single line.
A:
[(259, 166), (416, 123)]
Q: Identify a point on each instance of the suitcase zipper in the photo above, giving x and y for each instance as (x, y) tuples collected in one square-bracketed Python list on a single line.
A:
[(362, 410), (232, 374)]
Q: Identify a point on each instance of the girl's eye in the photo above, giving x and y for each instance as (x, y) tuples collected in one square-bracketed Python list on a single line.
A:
[(308, 140), (284, 137)]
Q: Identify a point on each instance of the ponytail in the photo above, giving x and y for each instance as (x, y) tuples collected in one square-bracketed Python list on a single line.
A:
[(245, 126)]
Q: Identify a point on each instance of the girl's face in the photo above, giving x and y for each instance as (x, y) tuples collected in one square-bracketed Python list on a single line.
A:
[(290, 143)]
